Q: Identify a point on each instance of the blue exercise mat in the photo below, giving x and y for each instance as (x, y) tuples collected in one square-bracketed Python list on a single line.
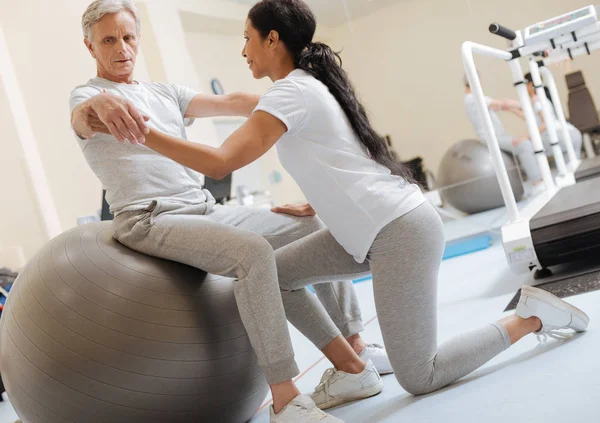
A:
[(467, 246)]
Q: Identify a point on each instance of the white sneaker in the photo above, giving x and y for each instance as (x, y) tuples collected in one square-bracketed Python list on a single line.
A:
[(554, 313), (378, 355), (302, 409), (339, 387)]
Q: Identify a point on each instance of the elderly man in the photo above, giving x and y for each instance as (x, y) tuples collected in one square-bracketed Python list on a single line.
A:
[(160, 208)]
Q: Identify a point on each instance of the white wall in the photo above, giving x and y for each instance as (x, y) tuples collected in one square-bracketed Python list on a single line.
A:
[(45, 43), (405, 62), (20, 223)]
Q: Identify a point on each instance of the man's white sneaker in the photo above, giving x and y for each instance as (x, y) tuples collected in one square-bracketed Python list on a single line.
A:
[(555, 314), (378, 355), (339, 387), (302, 409)]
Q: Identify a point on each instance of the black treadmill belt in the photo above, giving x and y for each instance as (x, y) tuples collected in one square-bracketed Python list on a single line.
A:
[(589, 168), (570, 203), (567, 287)]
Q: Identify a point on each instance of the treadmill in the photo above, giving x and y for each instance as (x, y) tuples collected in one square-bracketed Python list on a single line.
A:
[(567, 228), (570, 48), (588, 169), (561, 224)]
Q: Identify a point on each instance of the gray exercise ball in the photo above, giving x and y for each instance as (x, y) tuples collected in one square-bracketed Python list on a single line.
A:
[(95, 332), (467, 180)]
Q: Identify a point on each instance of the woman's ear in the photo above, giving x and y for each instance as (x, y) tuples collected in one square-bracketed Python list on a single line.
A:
[(273, 39)]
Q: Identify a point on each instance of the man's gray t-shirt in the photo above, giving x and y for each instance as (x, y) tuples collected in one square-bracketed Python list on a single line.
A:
[(477, 120), (134, 175)]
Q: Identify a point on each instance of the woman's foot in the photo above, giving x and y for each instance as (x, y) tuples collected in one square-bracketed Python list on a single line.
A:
[(555, 314), (302, 409), (338, 387)]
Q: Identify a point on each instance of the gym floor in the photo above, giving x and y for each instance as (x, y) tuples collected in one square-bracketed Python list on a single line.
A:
[(531, 382)]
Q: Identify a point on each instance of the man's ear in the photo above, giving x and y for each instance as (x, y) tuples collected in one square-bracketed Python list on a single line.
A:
[(90, 47)]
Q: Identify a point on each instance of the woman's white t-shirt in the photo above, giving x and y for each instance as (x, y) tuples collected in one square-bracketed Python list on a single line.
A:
[(351, 193)]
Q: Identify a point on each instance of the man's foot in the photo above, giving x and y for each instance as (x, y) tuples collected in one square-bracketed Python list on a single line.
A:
[(554, 313), (302, 409), (378, 355), (338, 387)]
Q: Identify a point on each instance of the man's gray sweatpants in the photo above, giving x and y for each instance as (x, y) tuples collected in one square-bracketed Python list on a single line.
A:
[(404, 260), (239, 242)]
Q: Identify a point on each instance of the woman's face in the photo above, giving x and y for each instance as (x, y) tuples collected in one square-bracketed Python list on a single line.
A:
[(256, 51)]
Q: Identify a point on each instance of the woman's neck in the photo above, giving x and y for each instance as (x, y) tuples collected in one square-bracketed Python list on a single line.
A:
[(283, 69)]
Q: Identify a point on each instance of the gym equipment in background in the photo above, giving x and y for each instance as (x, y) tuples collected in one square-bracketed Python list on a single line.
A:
[(220, 189), (582, 108), (584, 116), (558, 226), (466, 178), (95, 332), (105, 213)]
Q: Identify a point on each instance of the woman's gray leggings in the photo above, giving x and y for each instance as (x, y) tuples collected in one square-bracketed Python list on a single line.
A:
[(404, 260)]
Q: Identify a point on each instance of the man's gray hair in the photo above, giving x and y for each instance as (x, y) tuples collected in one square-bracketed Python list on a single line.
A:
[(99, 8)]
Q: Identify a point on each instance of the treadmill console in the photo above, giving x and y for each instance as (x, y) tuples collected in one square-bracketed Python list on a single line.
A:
[(560, 25)]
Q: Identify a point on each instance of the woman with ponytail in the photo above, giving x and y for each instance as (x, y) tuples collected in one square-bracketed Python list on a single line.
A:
[(377, 220)]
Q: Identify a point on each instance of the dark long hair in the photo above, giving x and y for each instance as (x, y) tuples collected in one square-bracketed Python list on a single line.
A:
[(296, 25), (529, 79)]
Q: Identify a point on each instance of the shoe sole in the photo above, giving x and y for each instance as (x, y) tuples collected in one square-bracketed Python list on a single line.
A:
[(554, 301), (369, 391)]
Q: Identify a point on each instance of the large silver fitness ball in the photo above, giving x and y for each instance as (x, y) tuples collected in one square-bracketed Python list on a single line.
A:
[(466, 178), (95, 332)]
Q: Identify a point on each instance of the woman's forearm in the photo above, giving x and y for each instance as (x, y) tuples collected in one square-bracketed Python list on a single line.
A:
[(203, 159), (243, 104)]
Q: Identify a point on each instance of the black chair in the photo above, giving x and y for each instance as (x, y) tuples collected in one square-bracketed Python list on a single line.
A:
[(582, 109), (105, 214)]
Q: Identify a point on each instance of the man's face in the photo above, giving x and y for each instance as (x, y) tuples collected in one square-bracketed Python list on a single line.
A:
[(114, 45)]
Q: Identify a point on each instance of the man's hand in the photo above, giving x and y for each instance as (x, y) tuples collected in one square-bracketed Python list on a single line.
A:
[(505, 104), (518, 141), (295, 210), (98, 127), (117, 114)]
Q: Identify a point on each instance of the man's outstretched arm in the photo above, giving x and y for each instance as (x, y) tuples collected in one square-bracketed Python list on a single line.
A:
[(119, 115)]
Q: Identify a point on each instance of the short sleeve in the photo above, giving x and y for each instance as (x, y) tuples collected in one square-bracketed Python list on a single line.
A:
[(285, 101), (184, 96), (488, 101), (81, 94)]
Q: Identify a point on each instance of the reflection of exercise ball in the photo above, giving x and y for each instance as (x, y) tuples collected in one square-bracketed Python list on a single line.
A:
[(467, 172), (95, 332)]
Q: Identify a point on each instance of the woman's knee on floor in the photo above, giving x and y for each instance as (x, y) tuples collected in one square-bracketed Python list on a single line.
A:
[(417, 381)]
